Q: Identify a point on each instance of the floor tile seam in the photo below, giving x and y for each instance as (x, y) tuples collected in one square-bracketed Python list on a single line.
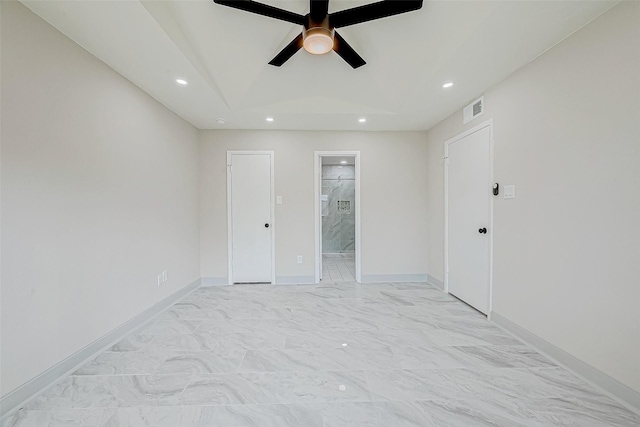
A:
[(247, 318), (570, 398), (105, 377), (185, 387), (141, 374), (78, 409), (441, 400), (204, 405), (556, 368), (278, 374), (242, 361), (419, 371), (276, 401), (311, 371), (369, 389), (456, 346), (109, 351)]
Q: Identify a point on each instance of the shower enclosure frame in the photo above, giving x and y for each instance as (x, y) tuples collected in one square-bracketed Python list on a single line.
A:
[(318, 155)]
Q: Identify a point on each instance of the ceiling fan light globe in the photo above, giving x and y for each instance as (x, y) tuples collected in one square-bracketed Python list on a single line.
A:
[(318, 41)]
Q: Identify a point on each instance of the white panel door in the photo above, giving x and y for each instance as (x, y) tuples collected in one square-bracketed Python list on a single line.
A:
[(469, 218), (251, 218)]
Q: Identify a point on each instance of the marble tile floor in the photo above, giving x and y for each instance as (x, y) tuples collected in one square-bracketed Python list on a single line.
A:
[(338, 268), (331, 355)]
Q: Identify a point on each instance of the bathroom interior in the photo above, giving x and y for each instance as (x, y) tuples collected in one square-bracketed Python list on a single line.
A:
[(338, 219)]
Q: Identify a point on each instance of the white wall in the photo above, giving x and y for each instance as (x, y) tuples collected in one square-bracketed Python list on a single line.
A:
[(99, 194), (393, 198), (567, 249)]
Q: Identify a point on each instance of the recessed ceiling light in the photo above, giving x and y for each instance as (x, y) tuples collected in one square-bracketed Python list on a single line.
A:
[(221, 121), (269, 119), (181, 82), (343, 162), (362, 120), (447, 85)]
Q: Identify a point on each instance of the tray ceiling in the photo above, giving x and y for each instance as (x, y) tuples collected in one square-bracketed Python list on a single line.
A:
[(223, 54)]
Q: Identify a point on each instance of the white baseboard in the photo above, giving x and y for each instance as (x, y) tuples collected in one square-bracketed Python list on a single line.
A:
[(621, 392), (18, 397), (214, 281), (435, 282), (295, 280), (385, 278)]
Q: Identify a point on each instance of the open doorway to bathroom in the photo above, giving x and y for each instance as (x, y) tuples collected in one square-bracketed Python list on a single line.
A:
[(337, 217)]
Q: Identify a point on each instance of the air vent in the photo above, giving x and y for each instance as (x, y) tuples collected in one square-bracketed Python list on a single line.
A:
[(473, 110)]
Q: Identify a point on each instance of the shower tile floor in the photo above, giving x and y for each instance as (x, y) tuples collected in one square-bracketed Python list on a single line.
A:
[(332, 355), (338, 268)]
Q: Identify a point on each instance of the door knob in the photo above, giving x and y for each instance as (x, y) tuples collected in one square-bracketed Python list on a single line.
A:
[(482, 231), (266, 225)]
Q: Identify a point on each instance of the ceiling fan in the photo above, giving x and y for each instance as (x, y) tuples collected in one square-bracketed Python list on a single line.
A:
[(319, 34)]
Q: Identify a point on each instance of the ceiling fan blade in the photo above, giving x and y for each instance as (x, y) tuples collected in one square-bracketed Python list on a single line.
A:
[(264, 9), (369, 12), (287, 52), (342, 48), (319, 9)]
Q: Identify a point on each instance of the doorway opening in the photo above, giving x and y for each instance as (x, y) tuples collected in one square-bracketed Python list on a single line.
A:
[(337, 206)]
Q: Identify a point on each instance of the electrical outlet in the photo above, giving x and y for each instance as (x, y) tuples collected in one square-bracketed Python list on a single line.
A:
[(299, 259), (162, 277)]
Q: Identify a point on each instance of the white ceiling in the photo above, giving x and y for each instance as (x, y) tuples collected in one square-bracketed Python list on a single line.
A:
[(223, 54)]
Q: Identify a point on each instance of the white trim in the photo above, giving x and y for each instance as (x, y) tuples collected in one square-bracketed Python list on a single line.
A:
[(445, 285), (230, 223), (273, 218), (317, 215), (18, 397), (491, 228), (397, 278), (230, 219), (488, 123), (214, 281), (295, 280), (317, 156), (612, 387), (435, 282), (358, 223)]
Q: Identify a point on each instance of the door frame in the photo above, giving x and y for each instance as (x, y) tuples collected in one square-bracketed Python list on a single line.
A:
[(230, 219), (489, 124), (317, 157)]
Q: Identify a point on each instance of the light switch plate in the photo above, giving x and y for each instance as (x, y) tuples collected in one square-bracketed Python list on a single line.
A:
[(509, 191), (278, 200)]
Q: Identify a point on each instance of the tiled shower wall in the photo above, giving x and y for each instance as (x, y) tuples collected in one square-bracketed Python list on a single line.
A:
[(338, 219)]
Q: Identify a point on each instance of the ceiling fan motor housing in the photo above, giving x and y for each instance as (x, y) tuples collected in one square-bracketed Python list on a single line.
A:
[(318, 36), (318, 26)]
